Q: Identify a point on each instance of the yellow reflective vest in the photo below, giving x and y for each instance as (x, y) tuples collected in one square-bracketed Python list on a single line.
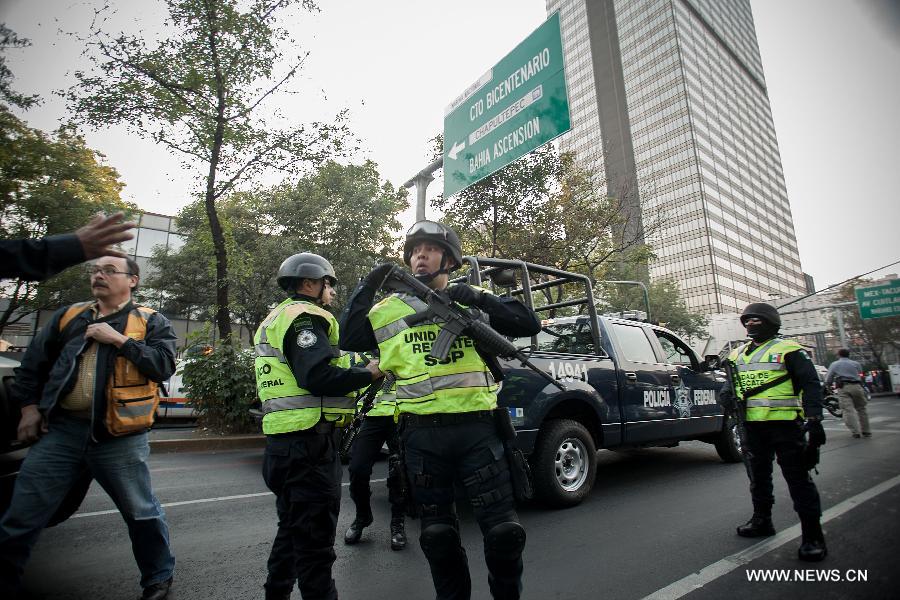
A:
[(460, 383), (286, 406), (762, 365)]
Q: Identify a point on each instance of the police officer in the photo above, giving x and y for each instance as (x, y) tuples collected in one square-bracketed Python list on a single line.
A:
[(306, 388), (377, 429), (446, 408), (782, 388)]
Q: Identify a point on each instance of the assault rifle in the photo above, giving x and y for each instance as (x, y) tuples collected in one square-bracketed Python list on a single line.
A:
[(457, 320), (740, 406), (368, 401)]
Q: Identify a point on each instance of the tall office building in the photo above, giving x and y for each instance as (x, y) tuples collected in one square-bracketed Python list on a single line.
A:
[(670, 110)]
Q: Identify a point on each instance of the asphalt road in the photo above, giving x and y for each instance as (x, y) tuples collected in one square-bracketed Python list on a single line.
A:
[(659, 523)]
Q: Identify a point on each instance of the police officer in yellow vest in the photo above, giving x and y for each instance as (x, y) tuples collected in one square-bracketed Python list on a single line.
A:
[(445, 411), (782, 388), (307, 391), (378, 428)]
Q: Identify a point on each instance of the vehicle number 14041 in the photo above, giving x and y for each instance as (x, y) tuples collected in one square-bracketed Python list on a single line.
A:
[(567, 371)]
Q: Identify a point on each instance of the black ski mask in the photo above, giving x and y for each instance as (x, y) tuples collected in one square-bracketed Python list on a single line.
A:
[(762, 331)]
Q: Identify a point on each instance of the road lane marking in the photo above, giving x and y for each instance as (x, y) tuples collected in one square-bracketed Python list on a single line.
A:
[(115, 511), (710, 573)]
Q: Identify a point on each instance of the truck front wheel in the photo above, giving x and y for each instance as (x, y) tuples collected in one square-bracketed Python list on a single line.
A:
[(564, 463), (728, 444)]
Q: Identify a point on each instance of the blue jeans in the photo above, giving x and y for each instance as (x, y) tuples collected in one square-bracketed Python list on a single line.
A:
[(53, 465)]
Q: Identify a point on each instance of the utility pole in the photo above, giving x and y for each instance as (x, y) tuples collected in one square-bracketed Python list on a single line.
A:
[(421, 181)]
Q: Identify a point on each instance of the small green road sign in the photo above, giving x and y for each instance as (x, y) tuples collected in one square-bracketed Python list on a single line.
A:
[(877, 301), (518, 105)]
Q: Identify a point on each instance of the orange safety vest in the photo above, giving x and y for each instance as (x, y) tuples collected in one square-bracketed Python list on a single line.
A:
[(131, 398)]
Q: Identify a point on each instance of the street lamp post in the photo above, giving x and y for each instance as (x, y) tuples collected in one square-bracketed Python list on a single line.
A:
[(421, 181)]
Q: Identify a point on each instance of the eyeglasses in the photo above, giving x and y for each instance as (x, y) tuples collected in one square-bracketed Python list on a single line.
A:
[(108, 271), (427, 228)]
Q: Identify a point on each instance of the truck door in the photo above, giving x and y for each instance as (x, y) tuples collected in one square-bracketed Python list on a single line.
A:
[(695, 409), (645, 383)]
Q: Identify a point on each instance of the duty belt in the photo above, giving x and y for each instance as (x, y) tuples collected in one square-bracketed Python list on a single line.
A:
[(320, 427), (441, 419)]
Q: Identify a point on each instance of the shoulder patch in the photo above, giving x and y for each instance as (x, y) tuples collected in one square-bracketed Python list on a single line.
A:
[(306, 338), (303, 321)]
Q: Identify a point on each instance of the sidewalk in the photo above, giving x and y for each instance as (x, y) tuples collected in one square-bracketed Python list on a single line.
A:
[(165, 437)]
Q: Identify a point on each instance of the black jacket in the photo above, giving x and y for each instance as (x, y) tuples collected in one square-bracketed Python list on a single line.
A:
[(49, 368), (34, 260), (507, 316)]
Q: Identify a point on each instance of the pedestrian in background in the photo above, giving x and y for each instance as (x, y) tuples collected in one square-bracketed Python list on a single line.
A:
[(780, 386), (446, 409), (307, 391), (88, 387), (844, 374)]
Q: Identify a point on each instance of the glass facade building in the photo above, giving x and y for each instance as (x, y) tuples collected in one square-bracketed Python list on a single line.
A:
[(152, 230), (669, 103)]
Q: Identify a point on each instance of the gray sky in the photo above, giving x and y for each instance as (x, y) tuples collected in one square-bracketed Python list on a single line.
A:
[(830, 66)]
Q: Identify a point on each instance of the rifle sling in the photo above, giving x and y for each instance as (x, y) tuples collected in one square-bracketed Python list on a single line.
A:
[(761, 388)]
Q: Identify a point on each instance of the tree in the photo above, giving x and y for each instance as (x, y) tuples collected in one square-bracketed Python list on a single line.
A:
[(8, 96), (200, 91), (343, 212), (49, 185), (666, 304), (544, 208), (878, 336)]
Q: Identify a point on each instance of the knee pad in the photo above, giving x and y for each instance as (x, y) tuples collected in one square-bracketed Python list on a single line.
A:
[(439, 541), (505, 541)]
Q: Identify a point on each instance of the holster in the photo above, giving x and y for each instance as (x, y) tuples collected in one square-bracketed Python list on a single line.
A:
[(519, 469)]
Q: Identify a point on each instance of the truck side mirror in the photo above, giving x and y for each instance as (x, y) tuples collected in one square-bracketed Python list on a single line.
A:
[(711, 362)]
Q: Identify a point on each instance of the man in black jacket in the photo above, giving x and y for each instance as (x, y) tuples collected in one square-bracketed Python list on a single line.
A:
[(64, 385), (35, 260)]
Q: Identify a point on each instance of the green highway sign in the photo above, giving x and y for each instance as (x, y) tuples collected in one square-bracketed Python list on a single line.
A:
[(518, 105), (877, 301)]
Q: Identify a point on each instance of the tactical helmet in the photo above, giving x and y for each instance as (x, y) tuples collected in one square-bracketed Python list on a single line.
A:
[(305, 265), (763, 311), (429, 231)]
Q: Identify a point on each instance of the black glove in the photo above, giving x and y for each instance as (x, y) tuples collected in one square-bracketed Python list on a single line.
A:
[(816, 432), (465, 294), (375, 278)]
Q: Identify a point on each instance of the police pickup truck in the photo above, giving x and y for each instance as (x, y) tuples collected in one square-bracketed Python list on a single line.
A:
[(627, 383)]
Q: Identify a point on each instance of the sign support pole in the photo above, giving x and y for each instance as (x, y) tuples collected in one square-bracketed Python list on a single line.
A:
[(421, 181)]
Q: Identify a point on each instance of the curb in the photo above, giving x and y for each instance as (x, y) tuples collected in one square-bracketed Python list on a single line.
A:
[(233, 442)]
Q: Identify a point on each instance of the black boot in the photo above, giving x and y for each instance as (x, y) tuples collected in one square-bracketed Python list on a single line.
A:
[(398, 534), (354, 532), (812, 546), (757, 526)]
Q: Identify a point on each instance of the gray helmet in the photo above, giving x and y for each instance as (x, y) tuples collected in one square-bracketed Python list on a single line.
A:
[(305, 265), (763, 311), (433, 232)]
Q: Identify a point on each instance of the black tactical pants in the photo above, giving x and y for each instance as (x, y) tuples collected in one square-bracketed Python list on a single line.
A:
[(436, 456), (373, 434), (784, 439), (303, 470)]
